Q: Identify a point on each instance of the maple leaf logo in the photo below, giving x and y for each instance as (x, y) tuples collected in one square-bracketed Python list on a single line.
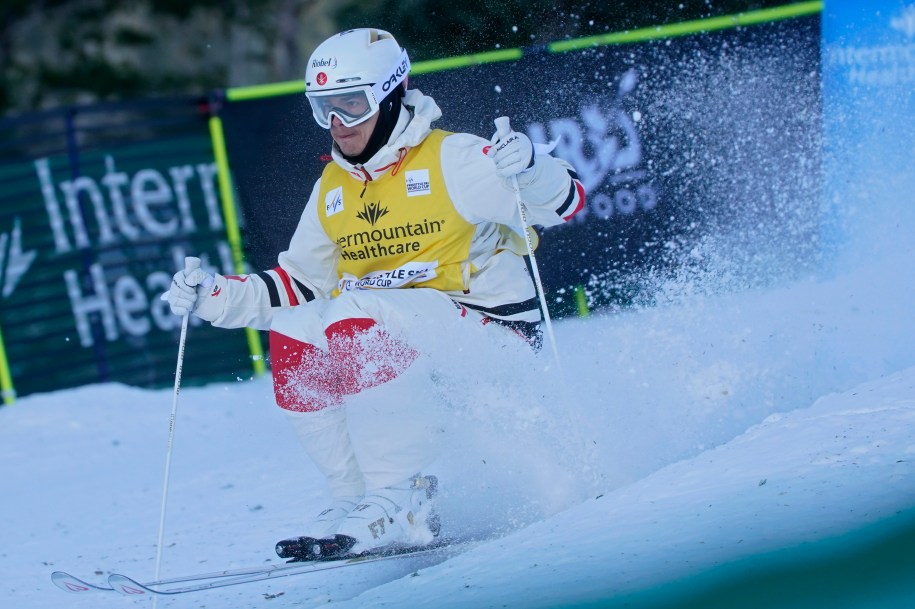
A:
[(372, 212)]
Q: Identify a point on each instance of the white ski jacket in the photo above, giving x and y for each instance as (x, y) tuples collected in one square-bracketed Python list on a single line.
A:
[(500, 286)]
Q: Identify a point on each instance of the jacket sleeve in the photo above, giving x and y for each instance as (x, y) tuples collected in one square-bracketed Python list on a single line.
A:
[(550, 190), (307, 270)]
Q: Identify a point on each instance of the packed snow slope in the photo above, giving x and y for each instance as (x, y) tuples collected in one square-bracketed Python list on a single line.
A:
[(711, 447)]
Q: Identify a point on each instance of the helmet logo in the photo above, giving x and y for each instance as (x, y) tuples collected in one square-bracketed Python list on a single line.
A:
[(398, 75), (321, 79)]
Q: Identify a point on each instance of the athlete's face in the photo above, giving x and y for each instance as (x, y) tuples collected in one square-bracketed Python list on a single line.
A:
[(352, 140)]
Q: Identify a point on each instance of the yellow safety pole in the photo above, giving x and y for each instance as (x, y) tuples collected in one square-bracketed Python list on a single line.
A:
[(233, 230), (6, 379)]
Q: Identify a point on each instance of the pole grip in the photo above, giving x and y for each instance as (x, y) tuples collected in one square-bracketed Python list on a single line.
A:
[(191, 264), (503, 127)]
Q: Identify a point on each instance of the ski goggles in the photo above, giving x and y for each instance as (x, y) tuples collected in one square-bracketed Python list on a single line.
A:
[(355, 105), (352, 106)]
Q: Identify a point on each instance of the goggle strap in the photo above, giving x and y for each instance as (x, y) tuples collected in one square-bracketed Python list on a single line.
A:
[(397, 75)]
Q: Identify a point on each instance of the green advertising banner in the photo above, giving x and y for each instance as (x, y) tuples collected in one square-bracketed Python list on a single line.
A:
[(95, 217)]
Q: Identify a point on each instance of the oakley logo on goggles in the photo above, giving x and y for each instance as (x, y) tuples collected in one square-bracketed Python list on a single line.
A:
[(355, 105)]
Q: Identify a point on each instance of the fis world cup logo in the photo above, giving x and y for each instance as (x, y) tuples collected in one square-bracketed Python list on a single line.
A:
[(603, 146), (418, 183), (333, 201)]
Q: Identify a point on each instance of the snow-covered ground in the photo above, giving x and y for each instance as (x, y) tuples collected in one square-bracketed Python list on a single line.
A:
[(685, 440)]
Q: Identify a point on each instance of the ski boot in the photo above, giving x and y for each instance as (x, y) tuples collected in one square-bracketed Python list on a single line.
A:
[(391, 517)]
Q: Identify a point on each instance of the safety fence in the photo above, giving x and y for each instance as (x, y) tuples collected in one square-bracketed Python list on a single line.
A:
[(685, 136)]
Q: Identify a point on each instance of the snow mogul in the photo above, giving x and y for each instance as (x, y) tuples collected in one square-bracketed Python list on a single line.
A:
[(411, 232)]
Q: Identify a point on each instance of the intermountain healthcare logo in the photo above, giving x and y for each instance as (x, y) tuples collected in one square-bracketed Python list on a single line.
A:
[(387, 241), (372, 212), (883, 58), (154, 209)]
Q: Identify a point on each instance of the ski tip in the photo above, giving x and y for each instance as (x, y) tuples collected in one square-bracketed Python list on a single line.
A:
[(75, 585), (128, 587)]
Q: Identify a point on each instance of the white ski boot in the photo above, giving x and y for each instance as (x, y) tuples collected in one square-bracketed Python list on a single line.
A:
[(395, 516)]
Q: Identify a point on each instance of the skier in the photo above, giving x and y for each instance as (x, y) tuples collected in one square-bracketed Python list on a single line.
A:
[(411, 232)]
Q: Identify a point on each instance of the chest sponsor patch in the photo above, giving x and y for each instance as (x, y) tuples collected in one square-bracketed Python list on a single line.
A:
[(333, 201), (411, 272), (418, 183)]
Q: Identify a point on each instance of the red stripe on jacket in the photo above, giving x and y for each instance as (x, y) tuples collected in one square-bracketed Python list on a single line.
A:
[(284, 277)]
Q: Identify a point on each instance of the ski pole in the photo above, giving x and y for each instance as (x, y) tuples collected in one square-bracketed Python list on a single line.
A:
[(190, 264), (503, 128)]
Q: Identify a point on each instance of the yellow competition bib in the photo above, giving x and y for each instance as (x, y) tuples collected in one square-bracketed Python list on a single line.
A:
[(402, 231)]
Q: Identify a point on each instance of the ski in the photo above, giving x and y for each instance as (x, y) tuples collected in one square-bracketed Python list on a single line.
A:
[(204, 581), (70, 583), (130, 587)]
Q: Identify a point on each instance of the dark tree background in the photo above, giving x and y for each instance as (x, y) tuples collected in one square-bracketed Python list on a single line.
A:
[(442, 28), (61, 52)]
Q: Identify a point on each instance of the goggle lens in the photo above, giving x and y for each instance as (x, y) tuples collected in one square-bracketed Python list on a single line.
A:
[(351, 107)]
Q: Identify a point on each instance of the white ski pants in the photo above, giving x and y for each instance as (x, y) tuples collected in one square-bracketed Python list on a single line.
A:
[(352, 376)]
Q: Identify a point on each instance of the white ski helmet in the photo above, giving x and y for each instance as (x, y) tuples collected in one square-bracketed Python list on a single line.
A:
[(351, 72)]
